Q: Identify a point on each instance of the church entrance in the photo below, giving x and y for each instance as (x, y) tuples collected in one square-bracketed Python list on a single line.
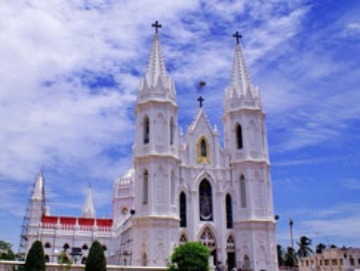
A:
[(207, 238), (231, 260)]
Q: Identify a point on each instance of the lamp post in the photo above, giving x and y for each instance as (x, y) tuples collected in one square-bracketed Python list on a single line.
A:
[(291, 224)]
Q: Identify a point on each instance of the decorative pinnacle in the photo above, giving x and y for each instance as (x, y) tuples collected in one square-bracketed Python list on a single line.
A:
[(237, 36), (156, 25)]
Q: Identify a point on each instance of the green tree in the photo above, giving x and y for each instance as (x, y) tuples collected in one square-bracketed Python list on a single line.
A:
[(190, 256), (304, 247), (320, 248), (6, 252), (96, 259), (290, 257), (280, 255), (35, 260)]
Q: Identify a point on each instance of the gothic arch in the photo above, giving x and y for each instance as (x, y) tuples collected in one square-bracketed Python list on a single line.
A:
[(230, 244), (145, 192), (172, 130), (243, 191), (207, 236), (146, 130), (183, 210), (205, 201), (183, 238), (239, 136), (203, 150), (229, 211)]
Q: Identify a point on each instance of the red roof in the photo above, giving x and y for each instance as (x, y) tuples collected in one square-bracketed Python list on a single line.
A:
[(66, 220), (86, 221), (104, 222), (49, 219)]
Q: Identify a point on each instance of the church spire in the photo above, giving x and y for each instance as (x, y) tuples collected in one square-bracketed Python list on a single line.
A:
[(88, 210), (38, 192), (157, 83), (241, 87), (240, 77)]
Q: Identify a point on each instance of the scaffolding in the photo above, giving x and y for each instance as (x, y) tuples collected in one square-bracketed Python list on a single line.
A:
[(25, 225)]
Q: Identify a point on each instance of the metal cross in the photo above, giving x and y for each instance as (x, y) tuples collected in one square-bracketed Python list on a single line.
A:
[(200, 100), (237, 36), (156, 25)]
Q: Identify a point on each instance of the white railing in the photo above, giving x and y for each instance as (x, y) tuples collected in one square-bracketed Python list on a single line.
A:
[(13, 265)]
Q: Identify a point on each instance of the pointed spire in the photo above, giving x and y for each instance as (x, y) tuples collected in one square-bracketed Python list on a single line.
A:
[(156, 69), (157, 83), (88, 210), (241, 91), (38, 192), (240, 78)]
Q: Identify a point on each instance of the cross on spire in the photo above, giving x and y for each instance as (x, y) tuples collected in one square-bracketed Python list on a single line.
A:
[(201, 100), (156, 25), (237, 36)]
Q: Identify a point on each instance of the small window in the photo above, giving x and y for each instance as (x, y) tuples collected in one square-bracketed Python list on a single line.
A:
[(47, 245), (182, 210), (66, 246), (229, 217), (172, 128), (85, 247), (104, 247), (47, 258), (203, 150), (145, 187), (239, 137), (243, 200), (146, 130)]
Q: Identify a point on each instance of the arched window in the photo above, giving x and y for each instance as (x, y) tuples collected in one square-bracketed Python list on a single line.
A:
[(183, 238), (66, 246), (239, 137), (47, 259), (205, 201), (243, 201), (203, 154), (47, 245), (246, 262), (146, 130), (145, 186), (83, 260), (144, 259), (229, 216), (182, 210), (203, 150), (85, 247), (172, 128), (104, 247)]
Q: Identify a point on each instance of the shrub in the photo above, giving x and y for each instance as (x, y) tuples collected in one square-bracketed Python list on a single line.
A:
[(190, 256), (35, 260), (96, 259)]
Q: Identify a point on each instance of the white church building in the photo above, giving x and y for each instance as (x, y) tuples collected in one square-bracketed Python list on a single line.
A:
[(182, 187)]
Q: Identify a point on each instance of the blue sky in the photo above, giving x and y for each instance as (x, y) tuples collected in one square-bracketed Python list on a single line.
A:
[(69, 72)]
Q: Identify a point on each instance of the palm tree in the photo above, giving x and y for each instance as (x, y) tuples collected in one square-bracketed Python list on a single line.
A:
[(290, 257), (280, 255), (304, 247)]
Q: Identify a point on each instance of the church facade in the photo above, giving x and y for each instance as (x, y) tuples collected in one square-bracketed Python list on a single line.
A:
[(182, 187)]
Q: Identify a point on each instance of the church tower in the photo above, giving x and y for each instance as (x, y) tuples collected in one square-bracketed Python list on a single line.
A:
[(246, 146), (36, 209), (156, 163)]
